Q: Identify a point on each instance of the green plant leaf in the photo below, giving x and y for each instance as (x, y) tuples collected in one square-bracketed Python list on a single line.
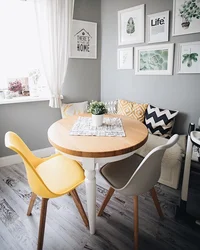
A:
[(97, 108), (184, 60), (185, 55)]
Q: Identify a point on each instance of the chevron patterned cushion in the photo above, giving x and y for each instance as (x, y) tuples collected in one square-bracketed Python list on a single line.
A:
[(132, 109), (160, 121)]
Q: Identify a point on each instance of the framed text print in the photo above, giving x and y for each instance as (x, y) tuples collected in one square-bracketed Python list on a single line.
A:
[(186, 17), (189, 58), (125, 58), (83, 40), (154, 59), (158, 27), (131, 25)]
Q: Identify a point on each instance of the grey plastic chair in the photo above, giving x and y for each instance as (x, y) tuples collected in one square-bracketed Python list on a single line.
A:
[(134, 176)]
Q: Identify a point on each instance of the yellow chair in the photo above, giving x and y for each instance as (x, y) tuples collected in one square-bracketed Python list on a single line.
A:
[(49, 178)]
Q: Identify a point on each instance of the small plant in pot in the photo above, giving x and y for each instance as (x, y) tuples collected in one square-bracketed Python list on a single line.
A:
[(97, 109)]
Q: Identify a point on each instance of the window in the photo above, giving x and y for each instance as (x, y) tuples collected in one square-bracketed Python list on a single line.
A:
[(19, 48)]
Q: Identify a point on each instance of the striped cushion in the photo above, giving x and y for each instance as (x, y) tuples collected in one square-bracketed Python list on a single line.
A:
[(160, 121), (132, 109)]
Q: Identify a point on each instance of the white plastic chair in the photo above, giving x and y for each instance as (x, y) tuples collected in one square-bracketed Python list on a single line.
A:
[(134, 176)]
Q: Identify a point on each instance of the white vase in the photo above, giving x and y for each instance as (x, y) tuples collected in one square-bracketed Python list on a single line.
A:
[(33, 88), (97, 120)]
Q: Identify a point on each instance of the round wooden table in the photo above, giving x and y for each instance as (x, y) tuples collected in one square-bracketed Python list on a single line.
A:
[(90, 150)]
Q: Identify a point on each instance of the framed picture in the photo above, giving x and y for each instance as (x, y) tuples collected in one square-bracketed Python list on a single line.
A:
[(131, 25), (83, 41), (189, 58), (125, 58), (158, 27), (154, 59), (186, 17)]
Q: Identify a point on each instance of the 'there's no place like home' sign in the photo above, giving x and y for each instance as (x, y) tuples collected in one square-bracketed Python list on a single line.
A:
[(83, 41)]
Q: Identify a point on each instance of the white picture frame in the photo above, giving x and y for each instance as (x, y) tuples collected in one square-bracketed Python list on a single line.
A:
[(185, 15), (189, 58), (131, 25), (83, 40), (154, 59), (158, 27), (125, 58)]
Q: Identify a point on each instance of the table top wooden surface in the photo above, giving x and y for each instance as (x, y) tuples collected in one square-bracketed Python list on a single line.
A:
[(97, 146)]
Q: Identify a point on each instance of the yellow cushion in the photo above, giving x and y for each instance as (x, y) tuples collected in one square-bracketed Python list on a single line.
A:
[(73, 108), (60, 174), (132, 109)]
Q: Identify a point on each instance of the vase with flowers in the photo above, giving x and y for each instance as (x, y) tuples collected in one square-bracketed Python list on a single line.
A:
[(97, 109), (34, 76), (15, 87)]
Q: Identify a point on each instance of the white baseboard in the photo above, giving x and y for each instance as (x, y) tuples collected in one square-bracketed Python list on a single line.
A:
[(15, 159)]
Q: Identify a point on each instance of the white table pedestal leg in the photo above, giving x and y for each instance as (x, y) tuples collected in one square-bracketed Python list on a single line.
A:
[(90, 184)]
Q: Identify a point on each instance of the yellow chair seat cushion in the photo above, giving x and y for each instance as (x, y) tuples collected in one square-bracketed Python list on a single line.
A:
[(60, 174)]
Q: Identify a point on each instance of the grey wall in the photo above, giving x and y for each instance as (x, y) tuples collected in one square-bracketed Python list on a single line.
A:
[(176, 92), (83, 81), (32, 120)]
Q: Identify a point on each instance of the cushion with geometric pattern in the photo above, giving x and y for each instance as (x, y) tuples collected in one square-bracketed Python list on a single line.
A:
[(111, 106), (132, 109), (160, 121)]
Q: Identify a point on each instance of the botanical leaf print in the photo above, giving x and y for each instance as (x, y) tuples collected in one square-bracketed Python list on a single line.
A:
[(189, 58)]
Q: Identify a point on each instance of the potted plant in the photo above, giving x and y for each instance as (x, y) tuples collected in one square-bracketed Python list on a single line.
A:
[(97, 109), (188, 11)]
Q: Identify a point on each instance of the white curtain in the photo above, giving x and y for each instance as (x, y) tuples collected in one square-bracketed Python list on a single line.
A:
[(54, 22)]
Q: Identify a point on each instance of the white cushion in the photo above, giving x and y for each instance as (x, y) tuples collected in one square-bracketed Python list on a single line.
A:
[(172, 156), (73, 108), (111, 106), (172, 159)]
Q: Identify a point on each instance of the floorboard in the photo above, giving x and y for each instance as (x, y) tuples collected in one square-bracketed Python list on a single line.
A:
[(65, 228)]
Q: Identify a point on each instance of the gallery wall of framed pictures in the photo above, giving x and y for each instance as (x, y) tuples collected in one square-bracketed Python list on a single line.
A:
[(158, 57)]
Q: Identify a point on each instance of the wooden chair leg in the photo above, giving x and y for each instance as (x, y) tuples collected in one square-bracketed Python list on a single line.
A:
[(80, 207), (156, 202), (42, 223), (106, 200), (136, 221), (31, 204)]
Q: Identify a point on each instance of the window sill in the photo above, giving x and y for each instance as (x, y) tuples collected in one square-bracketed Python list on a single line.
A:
[(23, 99)]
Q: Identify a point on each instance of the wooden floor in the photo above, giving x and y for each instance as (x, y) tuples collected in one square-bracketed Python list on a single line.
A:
[(65, 229)]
